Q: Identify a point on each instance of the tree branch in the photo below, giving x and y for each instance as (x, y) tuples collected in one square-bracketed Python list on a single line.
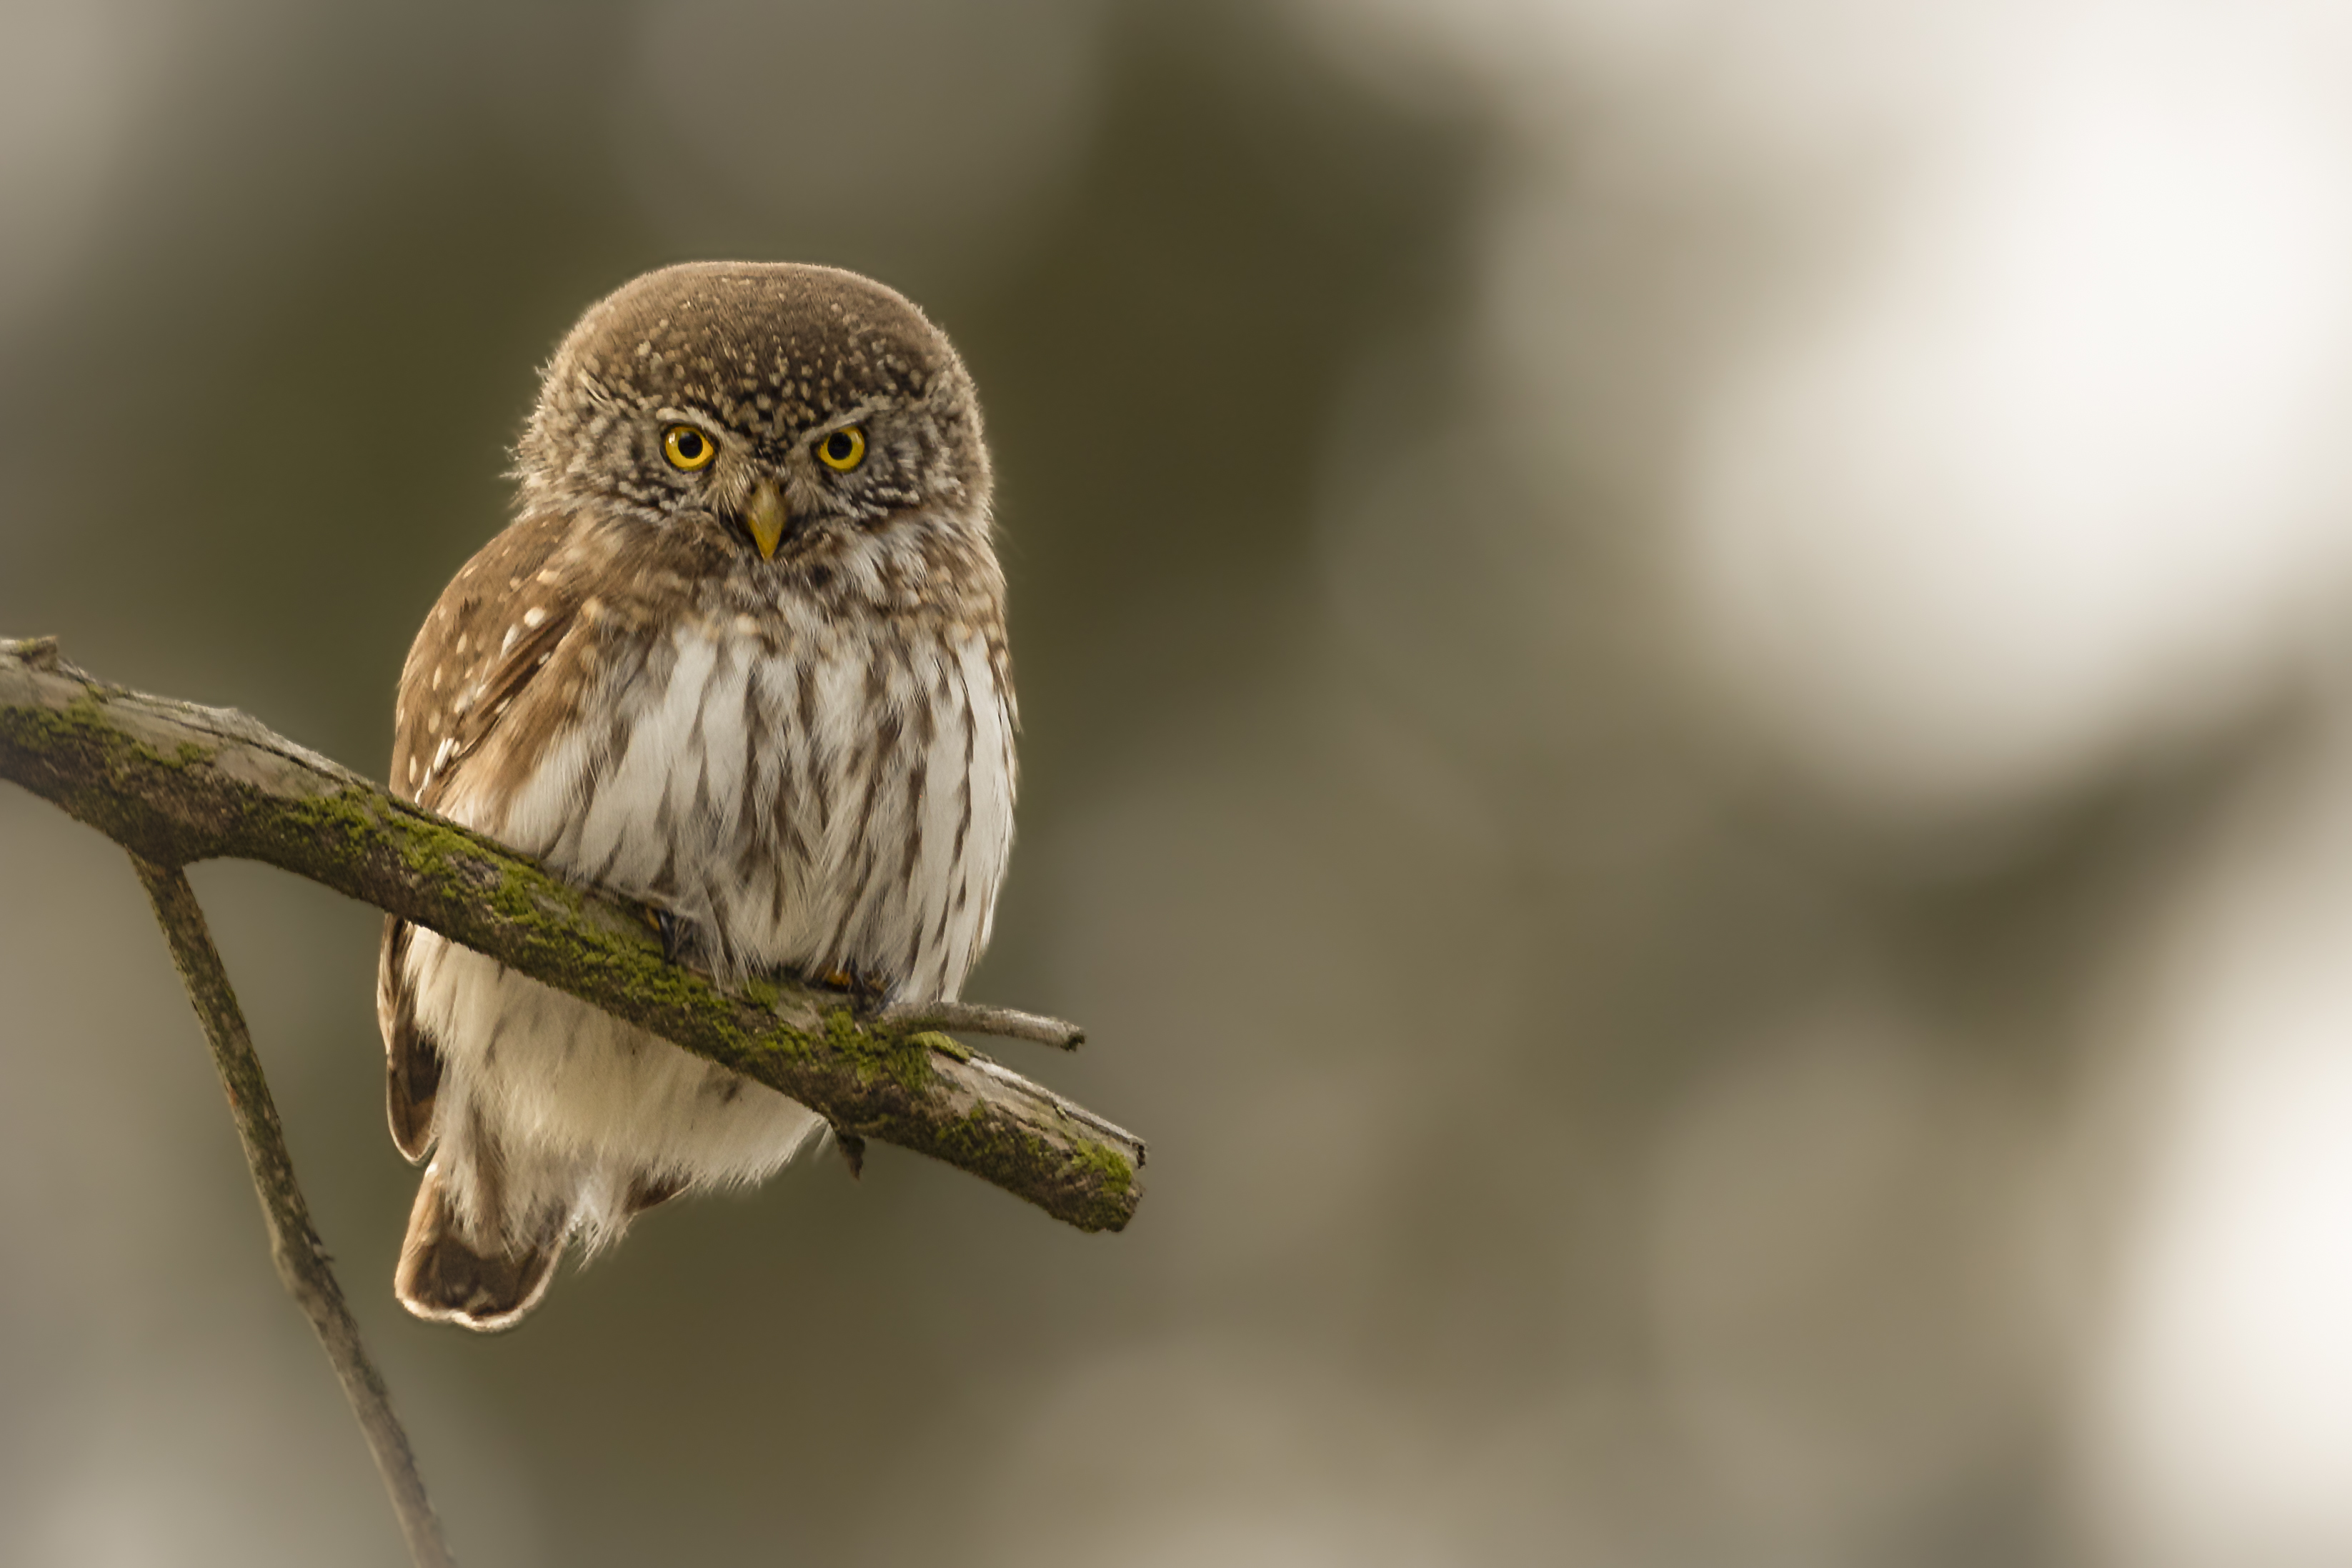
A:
[(1005, 1023), (294, 1243), (174, 783)]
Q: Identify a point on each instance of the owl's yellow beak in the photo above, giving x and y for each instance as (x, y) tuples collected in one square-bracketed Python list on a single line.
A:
[(766, 517)]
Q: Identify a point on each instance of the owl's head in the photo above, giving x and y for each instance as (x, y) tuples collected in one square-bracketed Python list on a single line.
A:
[(770, 410)]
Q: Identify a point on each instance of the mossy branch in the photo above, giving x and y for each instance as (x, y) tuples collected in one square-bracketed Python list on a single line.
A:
[(176, 783)]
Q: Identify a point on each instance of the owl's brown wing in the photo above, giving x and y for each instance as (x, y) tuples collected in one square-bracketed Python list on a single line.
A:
[(497, 628)]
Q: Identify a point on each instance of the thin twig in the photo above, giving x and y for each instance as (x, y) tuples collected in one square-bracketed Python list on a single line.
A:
[(294, 1242), (980, 1018)]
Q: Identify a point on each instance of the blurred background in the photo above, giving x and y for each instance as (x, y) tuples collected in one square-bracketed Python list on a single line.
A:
[(1687, 746)]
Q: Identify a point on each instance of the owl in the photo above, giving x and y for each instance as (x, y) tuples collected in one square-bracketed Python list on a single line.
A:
[(740, 656)]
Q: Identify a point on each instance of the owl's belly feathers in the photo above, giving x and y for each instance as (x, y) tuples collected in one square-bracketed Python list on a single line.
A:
[(813, 803), (817, 802)]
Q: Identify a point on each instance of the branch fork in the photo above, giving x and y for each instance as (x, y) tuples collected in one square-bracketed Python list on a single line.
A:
[(173, 783)]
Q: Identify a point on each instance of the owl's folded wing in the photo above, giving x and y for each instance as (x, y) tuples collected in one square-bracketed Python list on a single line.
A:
[(411, 1064), (495, 628)]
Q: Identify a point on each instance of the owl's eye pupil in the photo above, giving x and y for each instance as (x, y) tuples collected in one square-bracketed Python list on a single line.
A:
[(689, 447), (838, 446)]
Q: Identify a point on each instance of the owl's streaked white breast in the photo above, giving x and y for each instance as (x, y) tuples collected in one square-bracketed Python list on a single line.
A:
[(793, 856), (877, 848)]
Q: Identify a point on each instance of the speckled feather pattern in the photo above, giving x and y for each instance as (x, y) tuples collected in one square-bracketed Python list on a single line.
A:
[(809, 760)]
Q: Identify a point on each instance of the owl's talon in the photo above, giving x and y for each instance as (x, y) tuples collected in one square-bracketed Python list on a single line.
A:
[(853, 1151), (668, 927), (865, 992)]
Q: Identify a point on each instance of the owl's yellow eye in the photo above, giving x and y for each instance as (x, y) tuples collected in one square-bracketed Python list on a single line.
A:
[(688, 448), (842, 450)]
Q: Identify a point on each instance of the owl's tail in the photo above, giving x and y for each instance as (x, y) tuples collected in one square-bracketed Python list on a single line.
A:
[(443, 1280)]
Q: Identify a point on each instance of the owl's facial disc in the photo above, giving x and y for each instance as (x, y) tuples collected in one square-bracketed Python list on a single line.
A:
[(766, 517)]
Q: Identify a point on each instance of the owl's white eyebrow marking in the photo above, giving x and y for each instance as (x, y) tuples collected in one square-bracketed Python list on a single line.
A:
[(535, 617)]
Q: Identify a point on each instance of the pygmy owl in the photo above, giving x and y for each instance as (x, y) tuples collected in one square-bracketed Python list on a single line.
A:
[(740, 656)]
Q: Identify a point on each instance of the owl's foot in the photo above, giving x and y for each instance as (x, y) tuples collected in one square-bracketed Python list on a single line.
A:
[(866, 990), (673, 931), (852, 1150)]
